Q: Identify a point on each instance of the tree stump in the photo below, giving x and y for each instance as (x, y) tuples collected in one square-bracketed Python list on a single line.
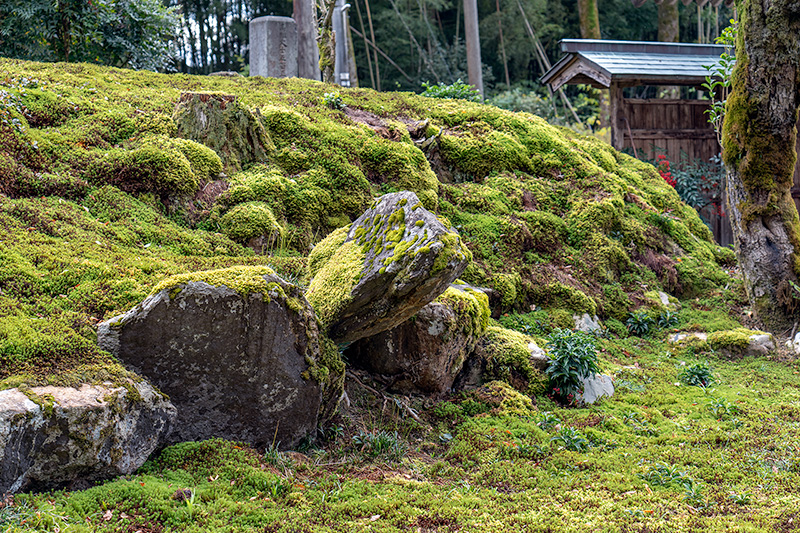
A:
[(218, 120)]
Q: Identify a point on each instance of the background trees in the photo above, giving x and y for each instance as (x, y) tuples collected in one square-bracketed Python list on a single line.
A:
[(120, 33)]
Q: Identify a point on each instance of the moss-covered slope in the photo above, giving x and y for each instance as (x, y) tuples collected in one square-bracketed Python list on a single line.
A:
[(99, 201)]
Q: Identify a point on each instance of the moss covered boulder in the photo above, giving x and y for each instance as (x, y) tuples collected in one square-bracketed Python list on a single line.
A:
[(376, 273), (63, 436), (237, 350), (505, 355), (426, 353)]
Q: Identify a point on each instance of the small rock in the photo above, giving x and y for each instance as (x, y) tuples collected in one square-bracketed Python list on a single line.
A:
[(794, 344), (594, 388), (587, 323), (56, 436), (182, 495), (742, 342), (678, 338)]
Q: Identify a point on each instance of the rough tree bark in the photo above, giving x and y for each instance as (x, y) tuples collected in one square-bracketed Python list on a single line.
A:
[(668, 21), (759, 153), (589, 19), (326, 41)]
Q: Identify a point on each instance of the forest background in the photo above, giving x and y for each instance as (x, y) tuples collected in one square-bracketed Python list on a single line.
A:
[(423, 39)]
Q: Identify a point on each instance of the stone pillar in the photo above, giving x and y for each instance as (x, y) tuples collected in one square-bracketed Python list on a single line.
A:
[(273, 47), (307, 50)]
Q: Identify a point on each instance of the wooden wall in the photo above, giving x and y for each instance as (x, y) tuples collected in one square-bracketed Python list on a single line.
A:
[(678, 129)]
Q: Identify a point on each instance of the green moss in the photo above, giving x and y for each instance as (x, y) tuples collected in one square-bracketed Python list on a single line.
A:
[(559, 295), (453, 250), (508, 359), (249, 220), (735, 339), (242, 279), (329, 291), (205, 163), (164, 171), (324, 251), (471, 308)]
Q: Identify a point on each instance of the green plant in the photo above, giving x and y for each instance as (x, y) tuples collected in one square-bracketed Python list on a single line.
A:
[(663, 475), (457, 90), (721, 408), (373, 444), (697, 375), (547, 420), (741, 498), (718, 82), (332, 100), (571, 439), (667, 320), (639, 323), (573, 358)]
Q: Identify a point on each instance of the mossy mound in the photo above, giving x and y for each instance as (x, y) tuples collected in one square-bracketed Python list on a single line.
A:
[(553, 219)]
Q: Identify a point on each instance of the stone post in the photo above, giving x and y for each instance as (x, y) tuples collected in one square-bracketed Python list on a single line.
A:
[(273, 47)]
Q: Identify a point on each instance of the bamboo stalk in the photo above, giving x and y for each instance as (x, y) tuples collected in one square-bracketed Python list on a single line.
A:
[(366, 46), (372, 36), (502, 43), (381, 52)]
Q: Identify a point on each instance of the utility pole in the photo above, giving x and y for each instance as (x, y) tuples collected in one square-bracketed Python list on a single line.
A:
[(473, 38)]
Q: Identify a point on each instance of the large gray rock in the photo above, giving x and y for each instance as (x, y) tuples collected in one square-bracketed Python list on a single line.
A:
[(587, 323), (55, 436), (378, 272), (426, 353), (237, 350)]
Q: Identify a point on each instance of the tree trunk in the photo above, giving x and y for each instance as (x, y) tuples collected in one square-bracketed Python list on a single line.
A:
[(326, 42), (668, 22), (473, 38), (589, 18), (759, 153)]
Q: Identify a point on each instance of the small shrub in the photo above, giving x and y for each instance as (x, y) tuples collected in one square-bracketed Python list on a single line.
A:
[(333, 101), (571, 439), (667, 320), (573, 358), (547, 420), (721, 408), (373, 444), (697, 375), (457, 90), (639, 323), (741, 498), (663, 475)]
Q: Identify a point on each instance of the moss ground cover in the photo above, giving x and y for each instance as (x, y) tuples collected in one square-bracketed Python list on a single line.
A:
[(659, 456), (100, 203)]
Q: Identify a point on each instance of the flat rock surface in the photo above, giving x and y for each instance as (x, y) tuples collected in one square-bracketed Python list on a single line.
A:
[(52, 437), (236, 366)]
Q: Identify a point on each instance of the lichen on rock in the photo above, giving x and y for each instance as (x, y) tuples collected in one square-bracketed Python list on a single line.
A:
[(385, 269), (238, 351)]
